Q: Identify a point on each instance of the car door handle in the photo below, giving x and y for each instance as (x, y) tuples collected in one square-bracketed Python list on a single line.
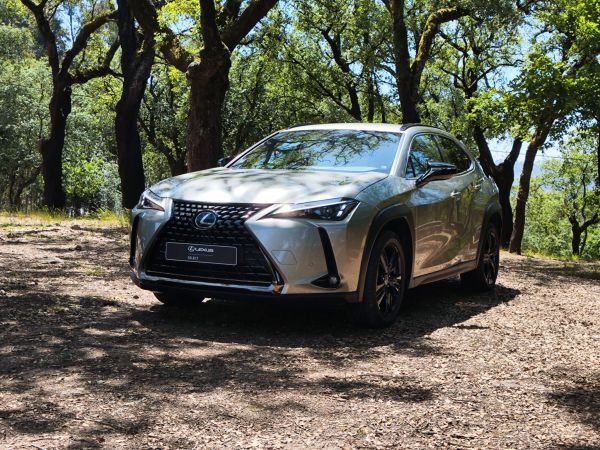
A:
[(477, 185), (455, 194)]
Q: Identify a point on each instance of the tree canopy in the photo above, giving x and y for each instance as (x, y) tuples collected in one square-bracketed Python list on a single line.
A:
[(98, 99)]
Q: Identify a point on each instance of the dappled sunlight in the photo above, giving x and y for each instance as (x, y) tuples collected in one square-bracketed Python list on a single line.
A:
[(96, 359), (267, 186)]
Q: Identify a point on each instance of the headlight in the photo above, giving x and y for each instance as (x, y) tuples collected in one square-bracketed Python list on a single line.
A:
[(336, 209), (149, 200)]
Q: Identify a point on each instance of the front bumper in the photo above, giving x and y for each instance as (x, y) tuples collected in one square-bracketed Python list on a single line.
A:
[(235, 292), (308, 258)]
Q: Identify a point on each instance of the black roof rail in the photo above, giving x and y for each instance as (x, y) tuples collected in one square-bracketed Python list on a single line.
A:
[(406, 126)]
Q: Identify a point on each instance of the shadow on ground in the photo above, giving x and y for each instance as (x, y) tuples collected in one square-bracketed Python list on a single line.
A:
[(318, 324), (124, 354), (582, 400)]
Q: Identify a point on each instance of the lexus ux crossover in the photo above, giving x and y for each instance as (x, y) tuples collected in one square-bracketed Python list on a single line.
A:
[(360, 212)]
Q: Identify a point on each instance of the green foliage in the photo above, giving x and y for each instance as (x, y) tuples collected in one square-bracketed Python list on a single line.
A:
[(90, 171), (547, 230), (23, 120), (500, 67), (566, 190), (163, 122)]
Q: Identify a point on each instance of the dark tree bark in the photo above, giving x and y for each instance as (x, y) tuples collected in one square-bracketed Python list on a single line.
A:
[(209, 75), (576, 239), (578, 230), (209, 81), (535, 144), (504, 176), (51, 148), (408, 74), (136, 63)]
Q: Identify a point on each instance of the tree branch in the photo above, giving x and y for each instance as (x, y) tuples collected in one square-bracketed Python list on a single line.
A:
[(485, 155), (208, 24), (47, 34), (174, 53), (515, 151), (432, 26), (82, 37), (99, 71), (593, 221), (254, 12)]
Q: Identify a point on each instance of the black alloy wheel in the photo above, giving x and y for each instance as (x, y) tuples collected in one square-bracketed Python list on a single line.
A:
[(385, 284), (390, 274), (483, 277)]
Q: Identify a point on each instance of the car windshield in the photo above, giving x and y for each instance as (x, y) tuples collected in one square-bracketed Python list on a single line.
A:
[(347, 150)]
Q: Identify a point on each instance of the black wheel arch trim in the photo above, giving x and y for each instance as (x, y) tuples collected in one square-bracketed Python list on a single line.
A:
[(492, 209), (382, 219)]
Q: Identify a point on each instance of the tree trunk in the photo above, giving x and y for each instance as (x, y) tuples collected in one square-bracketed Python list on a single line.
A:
[(136, 69), (524, 183), (504, 183), (12, 179), (52, 147), (503, 175), (583, 242), (209, 80), (576, 239), (176, 166), (408, 103)]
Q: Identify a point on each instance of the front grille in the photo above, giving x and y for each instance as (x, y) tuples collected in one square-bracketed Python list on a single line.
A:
[(252, 265)]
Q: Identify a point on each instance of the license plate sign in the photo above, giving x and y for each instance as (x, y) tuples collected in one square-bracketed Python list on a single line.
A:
[(200, 253)]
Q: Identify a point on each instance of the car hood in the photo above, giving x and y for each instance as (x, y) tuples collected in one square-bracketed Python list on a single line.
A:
[(224, 185)]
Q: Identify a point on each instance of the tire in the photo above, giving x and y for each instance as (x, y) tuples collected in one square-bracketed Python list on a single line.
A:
[(483, 277), (177, 300), (385, 284)]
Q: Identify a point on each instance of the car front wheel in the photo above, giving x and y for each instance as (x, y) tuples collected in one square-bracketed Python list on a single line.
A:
[(385, 284)]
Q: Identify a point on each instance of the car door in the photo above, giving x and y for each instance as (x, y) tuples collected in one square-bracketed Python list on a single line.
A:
[(432, 206), (464, 229)]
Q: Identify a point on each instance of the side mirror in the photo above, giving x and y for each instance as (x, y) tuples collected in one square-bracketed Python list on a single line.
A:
[(437, 171), (223, 161)]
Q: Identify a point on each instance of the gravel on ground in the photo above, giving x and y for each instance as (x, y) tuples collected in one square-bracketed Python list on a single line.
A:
[(87, 360)]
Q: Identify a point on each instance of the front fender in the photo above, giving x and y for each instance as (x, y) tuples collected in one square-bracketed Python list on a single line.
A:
[(390, 216)]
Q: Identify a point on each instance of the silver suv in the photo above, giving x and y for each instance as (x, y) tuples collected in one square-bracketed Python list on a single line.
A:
[(356, 211)]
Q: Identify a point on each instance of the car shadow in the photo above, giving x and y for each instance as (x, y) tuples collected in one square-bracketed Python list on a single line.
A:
[(92, 348), (314, 324)]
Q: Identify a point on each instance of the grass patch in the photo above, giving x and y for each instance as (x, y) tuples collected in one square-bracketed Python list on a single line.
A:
[(42, 217), (571, 266), (96, 271), (568, 258)]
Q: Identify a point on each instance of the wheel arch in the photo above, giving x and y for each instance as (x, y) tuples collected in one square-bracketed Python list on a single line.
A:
[(399, 219), (492, 215)]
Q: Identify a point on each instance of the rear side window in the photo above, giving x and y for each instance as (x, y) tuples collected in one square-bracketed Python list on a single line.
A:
[(422, 149), (453, 154)]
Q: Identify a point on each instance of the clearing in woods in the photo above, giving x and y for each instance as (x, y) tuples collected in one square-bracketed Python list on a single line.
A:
[(87, 360)]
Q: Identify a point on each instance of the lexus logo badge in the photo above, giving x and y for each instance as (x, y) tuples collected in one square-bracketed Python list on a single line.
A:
[(205, 220)]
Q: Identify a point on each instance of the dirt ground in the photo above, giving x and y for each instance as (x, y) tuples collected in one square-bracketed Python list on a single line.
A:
[(87, 360)]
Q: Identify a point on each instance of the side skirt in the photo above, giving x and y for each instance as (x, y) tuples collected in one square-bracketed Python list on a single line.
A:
[(446, 273)]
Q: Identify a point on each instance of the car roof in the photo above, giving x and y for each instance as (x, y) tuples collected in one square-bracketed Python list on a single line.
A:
[(383, 127)]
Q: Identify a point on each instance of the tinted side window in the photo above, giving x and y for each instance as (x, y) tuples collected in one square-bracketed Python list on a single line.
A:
[(422, 149), (454, 154)]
